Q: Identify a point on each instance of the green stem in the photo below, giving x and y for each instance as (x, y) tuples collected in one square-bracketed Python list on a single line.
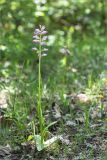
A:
[(40, 115)]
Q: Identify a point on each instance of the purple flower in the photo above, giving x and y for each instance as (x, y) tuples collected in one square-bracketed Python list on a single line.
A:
[(44, 32), (37, 31), (40, 38), (36, 37), (36, 41)]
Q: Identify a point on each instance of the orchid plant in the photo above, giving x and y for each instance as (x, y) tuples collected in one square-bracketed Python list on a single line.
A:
[(39, 38)]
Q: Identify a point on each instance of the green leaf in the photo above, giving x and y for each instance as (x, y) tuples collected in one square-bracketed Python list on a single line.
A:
[(39, 145), (30, 137), (46, 128)]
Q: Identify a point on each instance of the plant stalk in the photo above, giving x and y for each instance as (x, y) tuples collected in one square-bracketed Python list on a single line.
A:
[(40, 115)]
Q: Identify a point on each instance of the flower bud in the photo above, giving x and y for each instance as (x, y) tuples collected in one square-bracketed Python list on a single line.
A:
[(36, 41), (44, 54), (34, 49), (42, 28), (37, 30)]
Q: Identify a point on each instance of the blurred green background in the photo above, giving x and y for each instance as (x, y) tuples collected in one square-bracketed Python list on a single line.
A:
[(81, 25)]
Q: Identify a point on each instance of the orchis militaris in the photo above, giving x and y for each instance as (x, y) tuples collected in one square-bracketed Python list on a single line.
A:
[(39, 38)]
